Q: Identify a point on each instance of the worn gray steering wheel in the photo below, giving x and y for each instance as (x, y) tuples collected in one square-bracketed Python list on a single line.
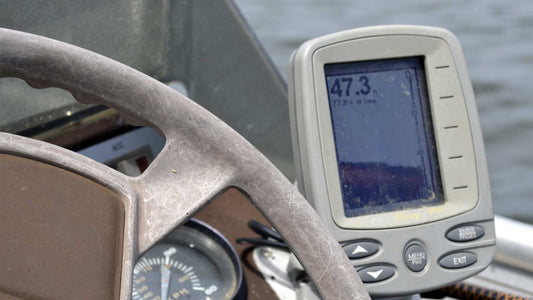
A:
[(202, 157)]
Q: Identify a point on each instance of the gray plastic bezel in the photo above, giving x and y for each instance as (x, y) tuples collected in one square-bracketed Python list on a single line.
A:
[(447, 113), (316, 164)]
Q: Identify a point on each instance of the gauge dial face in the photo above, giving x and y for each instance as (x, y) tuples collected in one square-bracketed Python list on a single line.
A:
[(187, 265)]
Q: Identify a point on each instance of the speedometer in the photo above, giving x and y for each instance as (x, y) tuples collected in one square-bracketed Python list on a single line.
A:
[(194, 262)]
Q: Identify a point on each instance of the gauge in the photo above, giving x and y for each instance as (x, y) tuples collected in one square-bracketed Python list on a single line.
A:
[(193, 262)]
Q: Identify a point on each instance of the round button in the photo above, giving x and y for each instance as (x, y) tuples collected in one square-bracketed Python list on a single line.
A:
[(415, 257)]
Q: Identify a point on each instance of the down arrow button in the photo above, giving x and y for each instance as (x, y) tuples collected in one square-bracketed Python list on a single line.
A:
[(375, 273)]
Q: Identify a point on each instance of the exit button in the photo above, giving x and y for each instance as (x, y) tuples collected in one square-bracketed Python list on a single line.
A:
[(458, 260)]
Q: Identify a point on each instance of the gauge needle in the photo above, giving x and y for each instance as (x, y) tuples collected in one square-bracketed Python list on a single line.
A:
[(165, 280)]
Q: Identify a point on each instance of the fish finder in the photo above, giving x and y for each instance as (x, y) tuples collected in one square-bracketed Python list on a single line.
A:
[(389, 152)]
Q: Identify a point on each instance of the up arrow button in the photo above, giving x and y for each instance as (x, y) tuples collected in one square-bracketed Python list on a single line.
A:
[(356, 249), (375, 273), (359, 249)]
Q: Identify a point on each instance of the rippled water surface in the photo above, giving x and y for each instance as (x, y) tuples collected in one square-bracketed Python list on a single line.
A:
[(497, 37)]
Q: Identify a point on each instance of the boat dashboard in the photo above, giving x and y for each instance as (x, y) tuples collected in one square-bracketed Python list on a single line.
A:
[(118, 186)]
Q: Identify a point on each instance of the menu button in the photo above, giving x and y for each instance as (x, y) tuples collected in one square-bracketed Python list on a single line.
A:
[(415, 258)]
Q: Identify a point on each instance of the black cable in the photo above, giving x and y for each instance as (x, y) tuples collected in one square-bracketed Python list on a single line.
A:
[(269, 237), (262, 242), (264, 231)]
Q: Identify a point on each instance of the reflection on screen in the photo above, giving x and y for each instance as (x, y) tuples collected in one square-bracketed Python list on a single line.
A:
[(383, 135)]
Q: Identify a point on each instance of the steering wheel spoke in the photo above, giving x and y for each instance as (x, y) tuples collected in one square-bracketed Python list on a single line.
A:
[(174, 188)]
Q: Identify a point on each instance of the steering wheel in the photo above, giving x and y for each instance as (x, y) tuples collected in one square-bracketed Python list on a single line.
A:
[(202, 158)]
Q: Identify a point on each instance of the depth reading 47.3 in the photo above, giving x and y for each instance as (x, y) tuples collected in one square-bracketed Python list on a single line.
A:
[(341, 86)]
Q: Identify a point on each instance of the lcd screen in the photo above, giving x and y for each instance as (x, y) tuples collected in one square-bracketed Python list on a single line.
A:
[(385, 147)]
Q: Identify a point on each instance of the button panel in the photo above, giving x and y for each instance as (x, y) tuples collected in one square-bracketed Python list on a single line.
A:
[(375, 273), (458, 260), (465, 233), (415, 257), (360, 249)]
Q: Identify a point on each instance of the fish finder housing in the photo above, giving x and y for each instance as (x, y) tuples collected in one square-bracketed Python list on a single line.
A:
[(389, 152)]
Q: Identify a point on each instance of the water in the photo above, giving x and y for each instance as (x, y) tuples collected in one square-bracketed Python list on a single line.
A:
[(497, 38)]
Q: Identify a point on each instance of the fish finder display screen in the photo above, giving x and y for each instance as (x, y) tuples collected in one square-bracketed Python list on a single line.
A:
[(383, 133)]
